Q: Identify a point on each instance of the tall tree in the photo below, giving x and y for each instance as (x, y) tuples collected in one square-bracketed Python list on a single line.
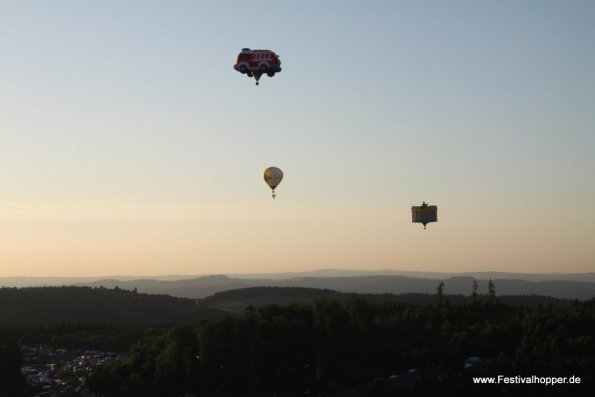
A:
[(440, 293), (474, 292), (491, 289)]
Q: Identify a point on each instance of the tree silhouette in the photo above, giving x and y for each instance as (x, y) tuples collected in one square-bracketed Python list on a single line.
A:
[(491, 289), (474, 292), (440, 293)]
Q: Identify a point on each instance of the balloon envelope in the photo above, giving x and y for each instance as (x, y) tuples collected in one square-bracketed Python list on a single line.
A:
[(273, 177), (424, 214)]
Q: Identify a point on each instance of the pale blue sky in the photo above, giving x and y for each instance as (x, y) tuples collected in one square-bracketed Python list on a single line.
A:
[(129, 145)]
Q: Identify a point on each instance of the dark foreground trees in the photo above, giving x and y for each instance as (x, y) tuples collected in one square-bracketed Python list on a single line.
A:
[(12, 382), (356, 348)]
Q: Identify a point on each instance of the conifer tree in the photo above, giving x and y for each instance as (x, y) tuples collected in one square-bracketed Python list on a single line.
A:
[(440, 293), (474, 293), (491, 289)]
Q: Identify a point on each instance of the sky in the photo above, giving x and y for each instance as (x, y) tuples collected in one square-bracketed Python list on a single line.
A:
[(130, 146)]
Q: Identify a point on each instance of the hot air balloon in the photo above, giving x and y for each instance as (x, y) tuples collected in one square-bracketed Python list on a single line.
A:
[(273, 177), (424, 214), (255, 63)]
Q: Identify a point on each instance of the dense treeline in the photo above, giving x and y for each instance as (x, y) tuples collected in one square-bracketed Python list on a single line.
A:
[(47, 306), (359, 348), (259, 296), (86, 336)]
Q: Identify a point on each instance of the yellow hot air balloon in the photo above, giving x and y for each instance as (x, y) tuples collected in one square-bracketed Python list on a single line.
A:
[(273, 177)]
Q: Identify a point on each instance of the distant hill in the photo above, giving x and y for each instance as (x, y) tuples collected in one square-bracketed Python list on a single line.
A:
[(565, 286), (187, 288), (236, 301), (46, 306), (204, 286), (484, 275)]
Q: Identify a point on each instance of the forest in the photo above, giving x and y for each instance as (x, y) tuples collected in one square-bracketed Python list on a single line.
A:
[(356, 348), (46, 306), (349, 346)]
